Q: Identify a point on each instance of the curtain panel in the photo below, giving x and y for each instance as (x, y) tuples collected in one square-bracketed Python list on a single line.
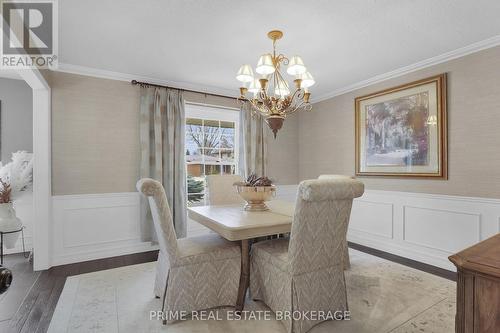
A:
[(253, 143), (162, 122)]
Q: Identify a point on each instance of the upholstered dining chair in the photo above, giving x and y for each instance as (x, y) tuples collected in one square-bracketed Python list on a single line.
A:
[(347, 260), (192, 273), (306, 273), (331, 176), (221, 190)]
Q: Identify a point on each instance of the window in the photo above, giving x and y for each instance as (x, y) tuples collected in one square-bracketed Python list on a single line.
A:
[(211, 147)]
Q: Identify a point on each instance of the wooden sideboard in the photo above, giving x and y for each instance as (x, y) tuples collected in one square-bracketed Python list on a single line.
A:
[(478, 287)]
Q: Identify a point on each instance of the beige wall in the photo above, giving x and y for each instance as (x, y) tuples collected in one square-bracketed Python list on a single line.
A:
[(326, 135), (95, 136), (282, 152)]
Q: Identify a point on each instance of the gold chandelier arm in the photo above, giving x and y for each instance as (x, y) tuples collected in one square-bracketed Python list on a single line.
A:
[(302, 105), (281, 58), (298, 94)]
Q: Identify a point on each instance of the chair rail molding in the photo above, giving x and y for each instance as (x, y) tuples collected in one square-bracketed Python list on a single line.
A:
[(95, 226), (419, 226)]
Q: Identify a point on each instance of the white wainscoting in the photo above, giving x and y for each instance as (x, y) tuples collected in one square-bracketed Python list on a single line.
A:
[(423, 227), (96, 226)]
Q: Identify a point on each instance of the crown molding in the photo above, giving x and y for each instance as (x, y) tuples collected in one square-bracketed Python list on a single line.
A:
[(118, 76), (458, 53)]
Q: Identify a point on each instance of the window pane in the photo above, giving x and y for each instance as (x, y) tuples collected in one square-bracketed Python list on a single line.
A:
[(195, 189), (211, 134), (195, 185), (227, 134), (195, 170), (211, 156), (228, 169), (227, 141), (212, 169), (227, 127), (194, 135), (194, 125), (192, 143), (194, 162), (227, 155), (194, 156)]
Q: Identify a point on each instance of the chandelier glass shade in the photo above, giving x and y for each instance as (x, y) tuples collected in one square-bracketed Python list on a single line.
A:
[(270, 94)]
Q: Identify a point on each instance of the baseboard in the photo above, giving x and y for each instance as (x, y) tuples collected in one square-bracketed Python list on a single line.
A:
[(444, 273), (402, 251), (100, 254)]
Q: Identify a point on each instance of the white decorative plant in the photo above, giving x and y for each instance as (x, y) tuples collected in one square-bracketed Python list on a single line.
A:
[(15, 176)]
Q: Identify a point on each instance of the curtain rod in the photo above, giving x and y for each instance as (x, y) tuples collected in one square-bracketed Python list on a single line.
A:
[(146, 84)]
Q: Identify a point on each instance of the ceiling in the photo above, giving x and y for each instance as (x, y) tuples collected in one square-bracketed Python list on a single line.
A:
[(201, 44)]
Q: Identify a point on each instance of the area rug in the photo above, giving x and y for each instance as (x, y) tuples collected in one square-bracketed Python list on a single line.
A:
[(383, 297)]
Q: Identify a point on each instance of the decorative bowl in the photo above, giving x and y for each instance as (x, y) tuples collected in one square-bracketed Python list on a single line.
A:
[(255, 196)]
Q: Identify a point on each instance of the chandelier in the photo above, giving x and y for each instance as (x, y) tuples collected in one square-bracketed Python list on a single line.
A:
[(272, 97)]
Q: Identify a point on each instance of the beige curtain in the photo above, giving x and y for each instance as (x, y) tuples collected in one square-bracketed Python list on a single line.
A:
[(253, 143), (162, 153)]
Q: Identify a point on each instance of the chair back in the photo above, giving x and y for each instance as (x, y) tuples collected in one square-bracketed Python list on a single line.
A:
[(319, 227), (162, 216), (221, 190)]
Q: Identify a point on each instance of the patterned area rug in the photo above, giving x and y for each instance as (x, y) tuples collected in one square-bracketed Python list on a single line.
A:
[(383, 297)]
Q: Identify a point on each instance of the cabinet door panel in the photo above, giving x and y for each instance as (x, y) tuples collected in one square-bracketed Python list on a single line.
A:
[(487, 299)]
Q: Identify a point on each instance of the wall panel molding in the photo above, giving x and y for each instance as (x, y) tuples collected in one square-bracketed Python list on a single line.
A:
[(94, 226), (462, 229), (373, 218), (425, 227)]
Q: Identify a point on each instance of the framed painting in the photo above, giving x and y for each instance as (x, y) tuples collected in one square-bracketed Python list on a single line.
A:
[(402, 131)]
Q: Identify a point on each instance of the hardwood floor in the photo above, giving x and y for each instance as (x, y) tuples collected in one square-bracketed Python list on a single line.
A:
[(35, 311), (35, 294), (407, 262), (24, 278)]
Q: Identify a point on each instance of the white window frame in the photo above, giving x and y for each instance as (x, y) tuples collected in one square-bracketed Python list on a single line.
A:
[(220, 113)]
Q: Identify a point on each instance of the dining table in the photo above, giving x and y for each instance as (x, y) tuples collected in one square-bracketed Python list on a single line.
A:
[(236, 224)]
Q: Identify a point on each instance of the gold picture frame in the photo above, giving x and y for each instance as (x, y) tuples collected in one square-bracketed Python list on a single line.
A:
[(401, 132)]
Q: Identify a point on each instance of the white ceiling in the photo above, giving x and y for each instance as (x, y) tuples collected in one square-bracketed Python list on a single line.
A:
[(201, 44)]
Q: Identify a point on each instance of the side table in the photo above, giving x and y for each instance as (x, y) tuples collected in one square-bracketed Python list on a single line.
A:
[(21, 230)]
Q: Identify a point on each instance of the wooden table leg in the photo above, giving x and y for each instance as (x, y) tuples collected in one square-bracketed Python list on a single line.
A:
[(245, 274)]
